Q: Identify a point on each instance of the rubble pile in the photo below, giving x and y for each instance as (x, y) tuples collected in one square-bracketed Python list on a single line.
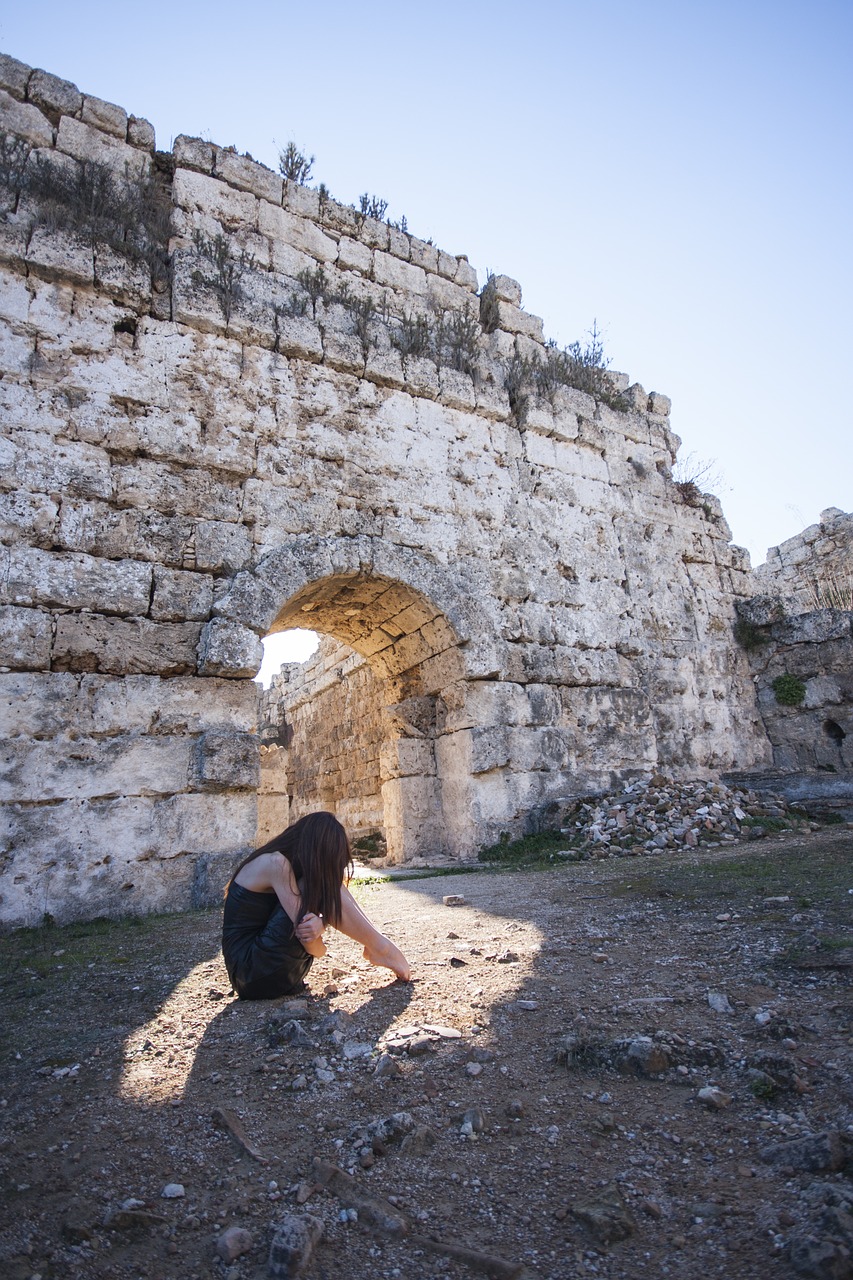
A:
[(649, 817)]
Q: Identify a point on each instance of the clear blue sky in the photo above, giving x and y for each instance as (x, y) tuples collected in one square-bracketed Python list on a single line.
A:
[(680, 172)]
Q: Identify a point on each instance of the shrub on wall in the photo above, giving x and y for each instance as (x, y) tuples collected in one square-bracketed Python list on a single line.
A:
[(788, 690)]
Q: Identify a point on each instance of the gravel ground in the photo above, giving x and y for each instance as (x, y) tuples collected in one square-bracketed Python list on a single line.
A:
[(594, 1073)]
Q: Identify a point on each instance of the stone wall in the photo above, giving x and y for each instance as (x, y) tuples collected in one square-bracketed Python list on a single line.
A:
[(323, 731), (231, 406), (788, 637), (814, 569)]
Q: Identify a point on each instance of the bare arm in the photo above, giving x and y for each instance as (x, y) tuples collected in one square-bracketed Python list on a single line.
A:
[(309, 930), (377, 948)]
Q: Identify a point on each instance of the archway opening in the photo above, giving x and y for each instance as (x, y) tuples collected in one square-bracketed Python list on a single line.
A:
[(354, 728)]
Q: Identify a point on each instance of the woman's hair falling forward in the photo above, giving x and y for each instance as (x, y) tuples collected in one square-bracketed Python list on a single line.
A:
[(317, 848)]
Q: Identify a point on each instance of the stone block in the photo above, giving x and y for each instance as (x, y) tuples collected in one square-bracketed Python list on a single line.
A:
[(53, 95), (67, 581), (247, 175), (505, 289), (27, 516), (659, 405), (485, 702), (302, 200), (99, 530), (406, 758), (422, 254), (193, 153), (456, 389), (83, 142), (146, 703), (140, 133), (354, 256), (197, 193), (299, 233), (105, 116), (814, 628), (375, 234), (447, 265), (14, 76), (25, 639), (39, 704), (87, 642), (388, 270), (180, 596), (398, 243), (512, 320), (229, 649), (221, 548), (86, 768), (298, 337), (226, 759), (466, 276), (25, 120), (176, 490)]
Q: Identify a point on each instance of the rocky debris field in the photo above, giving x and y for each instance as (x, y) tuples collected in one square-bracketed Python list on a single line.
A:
[(612, 1068), (649, 817)]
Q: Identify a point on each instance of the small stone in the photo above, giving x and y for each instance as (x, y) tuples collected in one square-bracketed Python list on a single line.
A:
[(299, 1082), (606, 1216), (173, 1191), (475, 1118), (719, 1002), (600, 957), (290, 1009), (294, 1033), (386, 1066), (527, 1006), (454, 900), (418, 1046), (814, 1154), (507, 957), (713, 1098), (419, 1141), (473, 1069), (356, 1049), (296, 1236), (233, 1243)]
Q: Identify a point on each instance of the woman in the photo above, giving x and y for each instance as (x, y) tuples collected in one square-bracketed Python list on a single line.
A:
[(279, 901)]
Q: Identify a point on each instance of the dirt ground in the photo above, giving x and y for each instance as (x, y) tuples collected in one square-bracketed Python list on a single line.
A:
[(547, 1059)]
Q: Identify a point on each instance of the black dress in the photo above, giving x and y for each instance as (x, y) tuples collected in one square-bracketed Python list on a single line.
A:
[(263, 955)]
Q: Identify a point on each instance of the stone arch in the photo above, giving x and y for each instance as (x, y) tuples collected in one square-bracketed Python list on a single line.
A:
[(420, 627)]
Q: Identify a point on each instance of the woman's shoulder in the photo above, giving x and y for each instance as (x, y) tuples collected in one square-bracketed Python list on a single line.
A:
[(262, 873)]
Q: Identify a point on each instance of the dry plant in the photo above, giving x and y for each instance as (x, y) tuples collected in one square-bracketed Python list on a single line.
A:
[(833, 589), (693, 476)]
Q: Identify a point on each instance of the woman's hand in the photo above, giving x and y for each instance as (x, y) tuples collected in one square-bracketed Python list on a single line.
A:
[(310, 928)]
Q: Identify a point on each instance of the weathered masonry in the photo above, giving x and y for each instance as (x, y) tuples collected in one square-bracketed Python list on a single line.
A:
[(231, 406)]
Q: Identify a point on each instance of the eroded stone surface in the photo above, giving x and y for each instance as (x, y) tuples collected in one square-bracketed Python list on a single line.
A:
[(255, 438)]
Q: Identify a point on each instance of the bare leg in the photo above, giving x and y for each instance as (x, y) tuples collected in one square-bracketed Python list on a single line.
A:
[(377, 948)]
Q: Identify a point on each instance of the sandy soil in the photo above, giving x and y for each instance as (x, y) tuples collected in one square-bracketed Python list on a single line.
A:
[(127, 1066)]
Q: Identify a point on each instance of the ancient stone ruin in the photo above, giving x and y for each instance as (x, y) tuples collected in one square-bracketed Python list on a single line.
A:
[(232, 406)]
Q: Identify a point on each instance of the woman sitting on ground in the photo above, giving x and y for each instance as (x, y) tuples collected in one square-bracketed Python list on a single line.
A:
[(279, 901)]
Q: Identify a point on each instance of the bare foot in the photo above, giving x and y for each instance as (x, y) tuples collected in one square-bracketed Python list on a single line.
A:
[(386, 954)]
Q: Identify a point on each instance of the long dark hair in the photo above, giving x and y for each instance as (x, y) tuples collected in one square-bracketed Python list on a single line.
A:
[(318, 850)]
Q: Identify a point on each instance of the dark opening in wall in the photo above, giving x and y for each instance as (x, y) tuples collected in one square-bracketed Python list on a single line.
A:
[(833, 730)]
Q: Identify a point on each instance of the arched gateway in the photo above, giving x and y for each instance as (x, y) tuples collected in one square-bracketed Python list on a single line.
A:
[(227, 404), (413, 623)]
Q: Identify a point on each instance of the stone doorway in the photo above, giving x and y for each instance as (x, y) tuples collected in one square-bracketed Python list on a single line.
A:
[(354, 729)]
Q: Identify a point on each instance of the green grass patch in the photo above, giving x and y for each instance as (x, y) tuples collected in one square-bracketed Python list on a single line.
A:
[(543, 849)]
